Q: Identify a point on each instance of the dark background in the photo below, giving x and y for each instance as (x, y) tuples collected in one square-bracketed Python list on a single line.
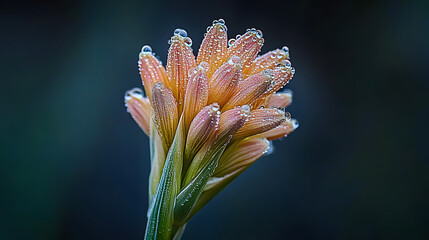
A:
[(74, 165)]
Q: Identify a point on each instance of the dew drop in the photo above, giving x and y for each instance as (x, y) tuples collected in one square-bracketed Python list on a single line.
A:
[(237, 36), (292, 71), (270, 149), (221, 21), (146, 49), (231, 42), (295, 123), (286, 51), (288, 116), (259, 33), (135, 92), (180, 32), (188, 41), (286, 63), (204, 65)]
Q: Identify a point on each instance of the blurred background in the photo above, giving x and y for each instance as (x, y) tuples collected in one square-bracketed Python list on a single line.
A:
[(74, 165)]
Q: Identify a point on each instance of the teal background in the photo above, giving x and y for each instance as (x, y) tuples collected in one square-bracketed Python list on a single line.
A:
[(74, 165)]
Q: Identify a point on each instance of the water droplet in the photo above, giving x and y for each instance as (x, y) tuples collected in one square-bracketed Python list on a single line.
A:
[(288, 92), (237, 36), (295, 123), (215, 107), (146, 49), (188, 41), (208, 28), (286, 63), (231, 42), (286, 51), (221, 21), (292, 71), (259, 33), (180, 32), (204, 65), (288, 116), (135, 92), (270, 148)]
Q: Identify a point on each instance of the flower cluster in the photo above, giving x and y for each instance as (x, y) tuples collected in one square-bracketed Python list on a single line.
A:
[(208, 118)]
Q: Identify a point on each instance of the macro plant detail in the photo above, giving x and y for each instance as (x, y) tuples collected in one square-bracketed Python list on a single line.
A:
[(208, 118)]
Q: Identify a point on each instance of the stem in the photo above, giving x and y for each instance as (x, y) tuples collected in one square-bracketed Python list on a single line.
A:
[(178, 233)]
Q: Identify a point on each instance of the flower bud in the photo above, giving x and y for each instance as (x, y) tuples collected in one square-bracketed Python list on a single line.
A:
[(282, 99), (202, 129), (261, 120), (281, 131), (197, 93), (151, 71), (139, 108), (246, 47), (180, 60), (251, 89), (164, 113), (225, 80), (214, 47)]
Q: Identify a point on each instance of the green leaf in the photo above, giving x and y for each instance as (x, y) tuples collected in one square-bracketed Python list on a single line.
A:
[(188, 197), (160, 214)]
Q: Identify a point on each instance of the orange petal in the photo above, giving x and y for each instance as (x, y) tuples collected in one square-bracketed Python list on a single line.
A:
[(202, 129), (281, 131), (241, 154), (282, 75), (261, 120), (180, 60), (214, 46), (164, 113), (225, 80), (267, 61), (251, 89), (282, 99), (197, 93), (151, 70), (246, 47), (229, 123), (139, 108)]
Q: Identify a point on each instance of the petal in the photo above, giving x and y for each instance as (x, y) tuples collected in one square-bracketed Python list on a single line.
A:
[(229, 123), (267, 61), (281, 131), (151, 70), (251, 89), (214, 46), (164, 113), (202, 129), (139, 108), (180, 60), (225, 80), (261, 120), (282, 99), (241, 154), (282, 75), (246, 47), (197, 93)]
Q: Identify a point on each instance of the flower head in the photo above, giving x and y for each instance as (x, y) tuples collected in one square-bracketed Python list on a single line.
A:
[(213, 114)]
